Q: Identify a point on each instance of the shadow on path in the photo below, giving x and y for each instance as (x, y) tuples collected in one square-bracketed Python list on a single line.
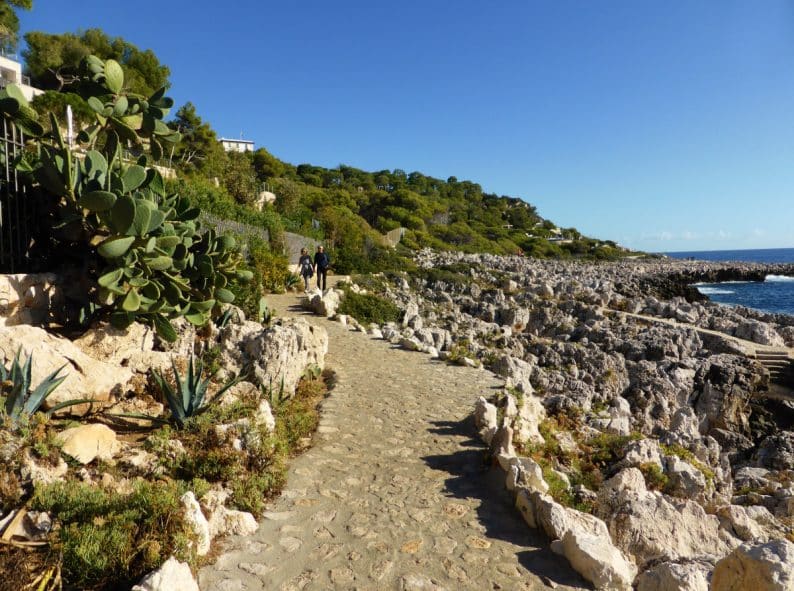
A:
[(470, 477)]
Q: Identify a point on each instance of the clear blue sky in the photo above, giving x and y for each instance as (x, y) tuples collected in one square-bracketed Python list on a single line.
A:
[(665, 125)]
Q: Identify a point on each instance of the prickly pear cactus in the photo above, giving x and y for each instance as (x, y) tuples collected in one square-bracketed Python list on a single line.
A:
[(144, 251)]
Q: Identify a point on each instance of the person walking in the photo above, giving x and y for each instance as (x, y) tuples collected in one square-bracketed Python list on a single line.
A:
[(321, 263), (306, 268)]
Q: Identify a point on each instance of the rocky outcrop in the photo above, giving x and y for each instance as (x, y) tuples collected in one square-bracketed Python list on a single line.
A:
[(86, 377), (650, 526), (274, 357), (28, 299), (760, 567)]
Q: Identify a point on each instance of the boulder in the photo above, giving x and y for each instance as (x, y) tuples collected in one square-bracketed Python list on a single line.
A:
[(556, 519), (280, 352), (171, 576), (597, 560), (226, 522), (530, 414), (485, 419), (676, 576), (195, 518), (750, 524), (759, 567), (86, 377), (89, 442)]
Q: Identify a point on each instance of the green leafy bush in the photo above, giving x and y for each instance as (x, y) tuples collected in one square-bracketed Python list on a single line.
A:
[(367, 307)]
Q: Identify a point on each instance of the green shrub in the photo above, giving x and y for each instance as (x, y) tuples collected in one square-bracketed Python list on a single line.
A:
[(109, 539), (655, 478), (367, 307)]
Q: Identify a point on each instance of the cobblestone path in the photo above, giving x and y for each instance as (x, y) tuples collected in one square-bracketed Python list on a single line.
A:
[(394, 494)]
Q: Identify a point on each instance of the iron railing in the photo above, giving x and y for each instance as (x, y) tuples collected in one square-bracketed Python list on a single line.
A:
[(17, 215)]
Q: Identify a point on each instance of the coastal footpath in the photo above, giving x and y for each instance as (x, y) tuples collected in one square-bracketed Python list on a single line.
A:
[(640, 428)]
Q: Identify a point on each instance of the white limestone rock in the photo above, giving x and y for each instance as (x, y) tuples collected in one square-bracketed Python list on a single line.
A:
[(597, 560), (530, 414), (647, 525), (556, 519), (224, 522), (756, 567), (198, 523), (89, 442), (28, 298), (676, 576), (485, 419), (171, 576)]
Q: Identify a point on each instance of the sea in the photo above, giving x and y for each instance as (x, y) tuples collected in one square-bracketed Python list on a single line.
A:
[(775, 294)]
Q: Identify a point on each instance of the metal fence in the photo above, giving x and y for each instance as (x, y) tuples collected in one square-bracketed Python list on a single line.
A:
[(17, 215)]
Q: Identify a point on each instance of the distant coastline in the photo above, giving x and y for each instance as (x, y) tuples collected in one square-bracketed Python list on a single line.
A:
[(758, 255), (774, 295)]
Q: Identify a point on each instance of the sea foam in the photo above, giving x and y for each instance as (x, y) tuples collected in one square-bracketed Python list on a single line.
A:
[(714, 291), (778, 279)]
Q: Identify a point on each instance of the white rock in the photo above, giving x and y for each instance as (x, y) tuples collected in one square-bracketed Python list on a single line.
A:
[(283, 351), (114, 345), (530, 415), (86, 377), (597, 560), (89, 442), (195, 518), (756, 567), (225, 521), (526, 507), (556, 519), (264, 416), (750, 524), (485, 419), (672, 576), (529, 475), (171, 576), (647, 525)]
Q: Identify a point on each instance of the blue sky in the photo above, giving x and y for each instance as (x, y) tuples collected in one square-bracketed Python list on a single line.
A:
[(663, 125)]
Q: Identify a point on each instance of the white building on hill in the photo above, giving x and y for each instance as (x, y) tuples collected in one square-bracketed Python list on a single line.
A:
[(237, 145), (11, 73)]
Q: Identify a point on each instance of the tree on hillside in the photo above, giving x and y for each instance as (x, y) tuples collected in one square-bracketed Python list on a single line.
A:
[(53, 60), (239, 179), (199, 150), (267, 166), (9, 23)]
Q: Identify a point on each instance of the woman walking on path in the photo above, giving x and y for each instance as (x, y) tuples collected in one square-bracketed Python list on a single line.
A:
[(321, 263), (306, 268)]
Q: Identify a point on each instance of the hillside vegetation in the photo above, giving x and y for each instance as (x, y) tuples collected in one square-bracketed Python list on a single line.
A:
[(347, 208)]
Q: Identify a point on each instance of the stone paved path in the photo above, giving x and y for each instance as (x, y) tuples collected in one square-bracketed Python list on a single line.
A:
[(394, 494)]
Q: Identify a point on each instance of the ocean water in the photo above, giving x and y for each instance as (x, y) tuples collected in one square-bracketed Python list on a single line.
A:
[(762, 255), (775, 294)]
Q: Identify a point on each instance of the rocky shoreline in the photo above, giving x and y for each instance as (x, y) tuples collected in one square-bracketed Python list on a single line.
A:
[(635, 428)]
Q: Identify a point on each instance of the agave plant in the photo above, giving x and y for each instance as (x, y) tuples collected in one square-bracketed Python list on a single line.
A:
[(188, 398), (19, 400)]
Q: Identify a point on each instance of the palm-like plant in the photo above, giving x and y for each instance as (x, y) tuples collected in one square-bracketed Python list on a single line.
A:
[(19, 400), (188, 398)]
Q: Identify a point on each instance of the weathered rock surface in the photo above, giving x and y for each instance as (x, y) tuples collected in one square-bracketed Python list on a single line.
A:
[(28, 298), (86, 377), (756, 567)]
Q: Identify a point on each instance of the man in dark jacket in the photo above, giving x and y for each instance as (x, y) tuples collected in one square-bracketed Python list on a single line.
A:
[(321, 263)]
